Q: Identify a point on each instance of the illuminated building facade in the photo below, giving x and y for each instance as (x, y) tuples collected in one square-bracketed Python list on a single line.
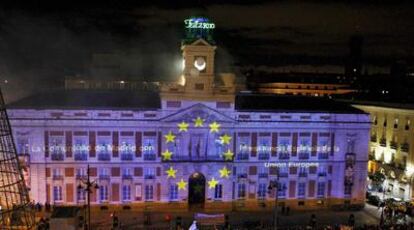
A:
[(391, 144), (195, 143)]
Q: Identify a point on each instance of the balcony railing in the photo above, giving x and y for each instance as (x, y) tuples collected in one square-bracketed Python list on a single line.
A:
[(405, 147), (303, 174), (104, 157), (303, 156), (242, 175), (57, 156), (81, 157), (127, 177), (373, 138), (383, 142), (393, 145), (263, 175), (283, 174), (57, 177), (322, 174), (127, 157), (150, 157), (284, 156), (104, 177), (149, 176), (242, 156), (264, 156), (323, 156), (81, 177)]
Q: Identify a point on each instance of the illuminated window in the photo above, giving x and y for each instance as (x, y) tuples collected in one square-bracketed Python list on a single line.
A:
[(241, 191), (261, 192), (57, 193), (407, 125), (174, 192), (321, 189), (22, 145), (396, 123), (218, 191), (126, 192), (149, 192), (80, 145), (103, 193), (301, 189), (281, 191), (127, 146), (81, 194)]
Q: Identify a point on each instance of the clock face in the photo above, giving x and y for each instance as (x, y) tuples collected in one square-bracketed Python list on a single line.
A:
[(200, 63)]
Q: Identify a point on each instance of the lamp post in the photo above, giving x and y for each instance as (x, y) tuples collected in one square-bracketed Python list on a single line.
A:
[(274, 185), (87, 187)]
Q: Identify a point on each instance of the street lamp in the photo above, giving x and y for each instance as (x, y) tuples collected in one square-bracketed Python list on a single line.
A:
[(274, 185), (87, 187)]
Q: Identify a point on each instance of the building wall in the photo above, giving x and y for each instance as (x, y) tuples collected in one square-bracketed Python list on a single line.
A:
[(42, 128)]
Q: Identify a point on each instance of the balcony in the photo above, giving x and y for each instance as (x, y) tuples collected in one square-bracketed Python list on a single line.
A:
[(303, 156), (242, 176), (104, 177), (57, 177), (81, 157), (322, 174), (383, 142), (242, 156), (57, 157), (303, 174), (284, 156), (81, 177), (104, 157), (211, 158), (263, 175), (264, 156), (283, 174), (405, 147), (127, 157), (149, 176), (373, 138), (150, 157), (323, 156), (127, 177), (393, 145)]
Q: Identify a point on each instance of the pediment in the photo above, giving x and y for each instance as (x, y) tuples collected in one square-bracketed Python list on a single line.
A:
[(191, 113), (200, 42)]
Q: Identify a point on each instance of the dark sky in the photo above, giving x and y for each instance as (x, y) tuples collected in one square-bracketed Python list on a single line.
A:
[(40, 44)]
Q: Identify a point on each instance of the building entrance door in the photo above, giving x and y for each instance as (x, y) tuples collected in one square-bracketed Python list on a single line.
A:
[(196, 190)]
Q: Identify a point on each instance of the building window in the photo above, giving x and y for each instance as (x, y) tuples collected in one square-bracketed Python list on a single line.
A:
[(57, 193), (22, 146), (241, 191), (301, 189), (348, 189), (80, 146), (243, 145), (103, 172), (57, 173), (148, 148), (281, 190), (104, 146), (385, 122), (126, 193), (126, 173), (375, 120), (321, 189), (173, 192), (81, 194), (149, 192), (127, 146), (56, 146), (407, 125), (396, 123), (261, 192), (103, 193), (149, 173), (218, 192)]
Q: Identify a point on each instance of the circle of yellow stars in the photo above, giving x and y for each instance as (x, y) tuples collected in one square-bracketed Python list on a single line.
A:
[(224, 139)]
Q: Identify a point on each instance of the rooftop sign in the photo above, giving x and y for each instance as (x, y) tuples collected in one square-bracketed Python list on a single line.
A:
[(199, 23)]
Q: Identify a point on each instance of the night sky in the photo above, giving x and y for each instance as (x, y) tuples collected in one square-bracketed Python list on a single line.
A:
[(41, 44)]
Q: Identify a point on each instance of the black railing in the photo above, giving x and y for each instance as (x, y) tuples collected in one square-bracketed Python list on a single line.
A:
[(57, 156), (149, 177), (242, 156), (150, 157), (264, 156), (283, 174), (303, 174), (81, 177), (393, 145), (383, 142), (284, 156), (373, 138), (104, 177), (127, 157), (303, 156), (81, 157), (263, 175), (322, 174), (127, 177), (323, 156), (57, 177), (242, 175), (104, 157), (405, 147)]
